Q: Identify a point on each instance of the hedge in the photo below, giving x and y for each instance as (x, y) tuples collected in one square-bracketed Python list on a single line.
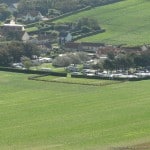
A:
[(8, 69), (90, 77), (109, 78), (89, 34)]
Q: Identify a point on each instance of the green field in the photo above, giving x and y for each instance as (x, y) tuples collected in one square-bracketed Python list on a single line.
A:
[(125, 22), (37, 115)]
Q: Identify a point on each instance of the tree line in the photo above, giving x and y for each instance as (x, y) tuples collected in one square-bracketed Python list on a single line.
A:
[(4, 12), (62, 5), (13, 52), (70, 58), (124, 61)]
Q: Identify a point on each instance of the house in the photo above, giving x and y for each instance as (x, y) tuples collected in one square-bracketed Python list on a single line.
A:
[(29, 18), (39, 16), (73, 46), (88, 46), (33, 16), (13, 31), (136, 49), (84, 46), (108, 48), (65, 37), (12, 26)]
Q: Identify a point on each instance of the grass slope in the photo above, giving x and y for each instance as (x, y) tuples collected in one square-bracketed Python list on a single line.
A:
[(52, 116), (125, 22)]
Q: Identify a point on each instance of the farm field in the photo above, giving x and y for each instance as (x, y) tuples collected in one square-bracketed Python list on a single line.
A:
[(125, 22), (38, 115)]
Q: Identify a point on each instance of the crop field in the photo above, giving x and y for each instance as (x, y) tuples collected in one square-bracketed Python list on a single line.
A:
[(125, 22), (37, 115)]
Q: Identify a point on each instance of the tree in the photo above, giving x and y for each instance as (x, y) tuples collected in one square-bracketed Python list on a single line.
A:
[(5, 58), (109, 64), (61, 61), (85, 29), (111, 55), (70, 58), (12, 52), (30, 50), (26, 62), (88, 23), (15, 50), (83, 56), (75, 59), (4, 13), (98, 66)]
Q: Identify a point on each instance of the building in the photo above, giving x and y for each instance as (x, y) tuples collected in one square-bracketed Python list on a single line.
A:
[(13, 31), (88, 46), (84, 46), (73, 46), (12, 26), (33, 16)]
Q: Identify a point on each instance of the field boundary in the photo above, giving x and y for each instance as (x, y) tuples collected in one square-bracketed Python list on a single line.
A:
[(9, 69), (37, 78)]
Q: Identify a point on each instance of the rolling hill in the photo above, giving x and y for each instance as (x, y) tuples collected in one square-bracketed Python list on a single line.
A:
[(56, 116), (125, 22)]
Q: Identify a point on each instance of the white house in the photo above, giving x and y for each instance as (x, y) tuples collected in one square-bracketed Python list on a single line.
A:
[(18, 31), (13, 26)]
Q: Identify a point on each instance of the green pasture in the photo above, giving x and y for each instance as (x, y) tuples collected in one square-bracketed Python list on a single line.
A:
[(32, 29), (37, 115), (125, 22)]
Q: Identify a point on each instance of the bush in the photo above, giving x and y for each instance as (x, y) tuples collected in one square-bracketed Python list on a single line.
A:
[(88, 34), (85, 29)]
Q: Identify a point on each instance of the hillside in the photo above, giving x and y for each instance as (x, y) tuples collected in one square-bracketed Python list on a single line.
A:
[(51, 116), (125, 22)]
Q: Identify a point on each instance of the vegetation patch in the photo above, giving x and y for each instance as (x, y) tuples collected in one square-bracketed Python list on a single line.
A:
[(125, 22)]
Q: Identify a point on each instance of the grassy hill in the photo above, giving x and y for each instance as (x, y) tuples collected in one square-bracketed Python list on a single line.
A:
[(55, 116), (125, 22)]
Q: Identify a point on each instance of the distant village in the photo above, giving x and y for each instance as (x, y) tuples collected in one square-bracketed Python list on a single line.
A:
[(57, 40)]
